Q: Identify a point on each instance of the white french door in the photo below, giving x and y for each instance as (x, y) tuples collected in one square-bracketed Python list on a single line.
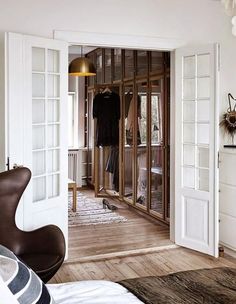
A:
[(36, 70), (196, 145)]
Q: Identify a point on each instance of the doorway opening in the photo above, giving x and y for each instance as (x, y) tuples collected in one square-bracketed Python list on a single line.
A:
[(130, 178)]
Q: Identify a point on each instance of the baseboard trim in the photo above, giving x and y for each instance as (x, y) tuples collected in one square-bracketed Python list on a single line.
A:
[(120, 254)]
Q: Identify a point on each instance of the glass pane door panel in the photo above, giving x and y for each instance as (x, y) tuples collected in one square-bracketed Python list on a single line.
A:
[(38, 85), (39, 163), (53, 86), (128, 141), (38, 137), (203, 65), (91, 79), (156, 112), (142, 62), (53, 185), (157, 179), (157, 62), (117, 64), (53, 110), (53, 136), (189, 111), (107, 65), (203, 157), (99, 66), (189, 89), (39, 188), (203, 136), (203, 179), (189, 177), (38, 59), (189, 67), (203, 110), (53, 61), (189, 155), (38, 111), (189, 133), (203, 88), (129, 63), (141, 123), (156, 147), (53, 161)]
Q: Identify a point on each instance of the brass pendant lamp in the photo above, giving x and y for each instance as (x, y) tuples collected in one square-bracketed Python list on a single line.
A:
[(82, 66)]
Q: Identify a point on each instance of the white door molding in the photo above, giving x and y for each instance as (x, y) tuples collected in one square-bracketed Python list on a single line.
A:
[(119, 40)]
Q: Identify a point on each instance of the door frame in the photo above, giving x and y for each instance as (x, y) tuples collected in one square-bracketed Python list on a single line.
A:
[(138, 42)]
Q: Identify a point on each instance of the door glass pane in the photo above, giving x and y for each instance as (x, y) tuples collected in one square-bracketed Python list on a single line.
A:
[(189, 67), (128, 140), (189, 155), (189, 111), (91, 79), (53, 136), (53, 61), (189, 89), (38, 163), (53, 86), (38, 137), (188, 177), (203, 88), (99, 66), (129, 63), (53, 110), (156, 147), (203, 133), (157, 62), (117, 64), (156, 112), (203, 110), (189, 133), (203, 157), (39, 188), (53, 185), (107, 65), (38, 85), (38, 59), (141, 123), (203, 65), (142, 62), (53, 161), (203, 182), (38, 111)]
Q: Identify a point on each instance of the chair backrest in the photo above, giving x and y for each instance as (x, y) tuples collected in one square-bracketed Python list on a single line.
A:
[(12, 186)]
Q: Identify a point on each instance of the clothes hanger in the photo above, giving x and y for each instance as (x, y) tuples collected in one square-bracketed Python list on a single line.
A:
[(107, 90)]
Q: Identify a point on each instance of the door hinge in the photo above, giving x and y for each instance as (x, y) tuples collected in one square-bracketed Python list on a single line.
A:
[(8, 163)]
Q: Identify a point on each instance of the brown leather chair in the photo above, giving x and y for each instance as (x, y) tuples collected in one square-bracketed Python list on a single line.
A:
[(42, 249)]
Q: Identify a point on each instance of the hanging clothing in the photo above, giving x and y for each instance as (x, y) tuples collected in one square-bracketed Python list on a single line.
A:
[(130, 120), (113, 166), (106, 108)]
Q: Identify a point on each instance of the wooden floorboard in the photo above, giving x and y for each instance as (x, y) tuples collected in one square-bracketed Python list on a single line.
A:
[(158, 263), (138, 232)]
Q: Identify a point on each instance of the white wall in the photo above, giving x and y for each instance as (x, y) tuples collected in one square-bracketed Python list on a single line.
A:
[(195, 21)]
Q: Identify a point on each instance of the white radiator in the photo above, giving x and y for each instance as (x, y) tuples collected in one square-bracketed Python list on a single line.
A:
[(74, 166)]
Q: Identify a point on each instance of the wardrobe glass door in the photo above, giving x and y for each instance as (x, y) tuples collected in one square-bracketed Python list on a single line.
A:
[(128, 152), (157, 163), (141, 134)]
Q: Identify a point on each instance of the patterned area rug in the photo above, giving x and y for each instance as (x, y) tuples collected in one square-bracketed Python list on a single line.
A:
[(90, 211)]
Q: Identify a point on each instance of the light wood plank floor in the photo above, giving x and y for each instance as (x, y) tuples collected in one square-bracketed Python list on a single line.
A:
[(159, 263), (138, 232)]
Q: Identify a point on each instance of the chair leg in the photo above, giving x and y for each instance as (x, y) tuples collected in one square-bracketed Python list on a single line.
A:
[(74, 198)]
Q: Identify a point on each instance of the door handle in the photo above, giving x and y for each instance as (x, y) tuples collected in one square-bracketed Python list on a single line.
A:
[(15, 166)]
